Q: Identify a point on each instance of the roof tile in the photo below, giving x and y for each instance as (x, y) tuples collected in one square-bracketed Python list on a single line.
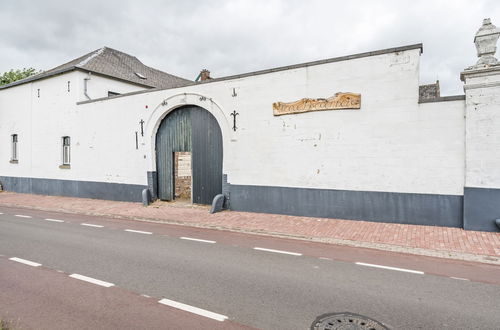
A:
[(115, 64)]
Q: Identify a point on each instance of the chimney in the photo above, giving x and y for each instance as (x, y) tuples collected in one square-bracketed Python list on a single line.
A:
[(205, 75), (429, 92)]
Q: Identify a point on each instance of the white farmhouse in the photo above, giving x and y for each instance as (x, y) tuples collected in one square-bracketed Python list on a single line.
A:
[(384, 149)]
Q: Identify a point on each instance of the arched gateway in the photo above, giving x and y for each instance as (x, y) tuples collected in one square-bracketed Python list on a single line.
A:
[(189, 153)]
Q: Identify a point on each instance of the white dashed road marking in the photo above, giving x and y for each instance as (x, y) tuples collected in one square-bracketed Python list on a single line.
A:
[(91, 280), (22, 216), (139, 231), (324, 258), (91, 225), (460, 278), (278, 251), (194, 310), (26, 262), (391, 268), (54, 220), (198, 240)]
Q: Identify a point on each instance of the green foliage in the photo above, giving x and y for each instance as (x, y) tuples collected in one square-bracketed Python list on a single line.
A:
[(13, 75), (4, 325)]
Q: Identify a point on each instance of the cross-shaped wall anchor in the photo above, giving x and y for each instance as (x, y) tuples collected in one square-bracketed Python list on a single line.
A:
[(234, 114), (142, 127)]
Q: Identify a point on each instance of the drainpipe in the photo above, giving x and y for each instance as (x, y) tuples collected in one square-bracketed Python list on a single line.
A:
[(85, 82)]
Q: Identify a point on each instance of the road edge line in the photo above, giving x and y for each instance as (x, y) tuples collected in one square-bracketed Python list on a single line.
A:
[(91, 280), (194, 310), (277, 251), (391, 268), (26, 262)]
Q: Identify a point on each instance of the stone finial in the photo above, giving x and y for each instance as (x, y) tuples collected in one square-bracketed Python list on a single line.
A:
[(205, 75), (486, 43)]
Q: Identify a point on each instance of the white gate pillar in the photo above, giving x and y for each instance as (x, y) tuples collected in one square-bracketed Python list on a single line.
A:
[(482, 134)]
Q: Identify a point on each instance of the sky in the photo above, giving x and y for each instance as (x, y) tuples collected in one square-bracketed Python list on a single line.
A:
[(236, 36)]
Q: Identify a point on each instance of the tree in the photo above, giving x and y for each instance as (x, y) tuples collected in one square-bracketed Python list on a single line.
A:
[(13, 75)]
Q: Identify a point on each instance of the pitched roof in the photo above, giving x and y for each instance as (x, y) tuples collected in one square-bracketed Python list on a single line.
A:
[(115, 64)]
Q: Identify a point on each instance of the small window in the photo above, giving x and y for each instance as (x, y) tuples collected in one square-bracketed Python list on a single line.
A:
[(66, 148), (14, 148)]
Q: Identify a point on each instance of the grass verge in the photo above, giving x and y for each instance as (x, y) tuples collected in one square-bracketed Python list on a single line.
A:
[(4, 325)]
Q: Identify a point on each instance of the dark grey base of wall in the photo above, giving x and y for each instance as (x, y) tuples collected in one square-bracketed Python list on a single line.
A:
[(85, 189), (419, 209), (481, 208), (153, 184)]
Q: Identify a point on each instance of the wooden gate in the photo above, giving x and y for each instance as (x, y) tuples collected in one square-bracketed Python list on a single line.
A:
[(190, 129)]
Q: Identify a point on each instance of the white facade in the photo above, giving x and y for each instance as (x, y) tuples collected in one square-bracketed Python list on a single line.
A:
[(41, 113), (394, 144)]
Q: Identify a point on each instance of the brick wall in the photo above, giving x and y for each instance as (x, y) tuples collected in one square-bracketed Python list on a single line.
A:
[(182, 175)]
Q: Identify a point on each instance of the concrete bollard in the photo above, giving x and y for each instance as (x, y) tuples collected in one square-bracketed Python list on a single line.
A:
[(146, 197), (217, 203)]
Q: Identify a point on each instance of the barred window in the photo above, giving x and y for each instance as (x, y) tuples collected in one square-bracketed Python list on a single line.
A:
[(14, 153), (66, 150)]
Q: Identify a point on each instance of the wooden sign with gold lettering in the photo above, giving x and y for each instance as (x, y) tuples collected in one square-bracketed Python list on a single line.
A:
[(339, 101)]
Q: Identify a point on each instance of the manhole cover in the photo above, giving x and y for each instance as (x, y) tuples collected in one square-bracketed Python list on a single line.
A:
[(346, 321)]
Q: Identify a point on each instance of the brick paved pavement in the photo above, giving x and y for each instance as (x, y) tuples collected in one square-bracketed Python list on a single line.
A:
[(427, 240)]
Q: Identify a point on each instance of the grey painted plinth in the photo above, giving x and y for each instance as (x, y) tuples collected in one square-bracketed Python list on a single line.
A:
[(481, 209), (153, 184), (146, 197), (419, 209), (70, 188)]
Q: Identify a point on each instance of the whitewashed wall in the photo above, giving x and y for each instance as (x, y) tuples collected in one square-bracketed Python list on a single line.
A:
[(482, 145), (98, 86), (391, 144), (483, 130), (40, 122), (15, 113)]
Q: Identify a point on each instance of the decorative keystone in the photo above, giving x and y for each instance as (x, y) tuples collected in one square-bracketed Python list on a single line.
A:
[(486, 43)]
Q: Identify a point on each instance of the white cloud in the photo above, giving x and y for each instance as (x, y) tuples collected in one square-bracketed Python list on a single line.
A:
[(235, 36)]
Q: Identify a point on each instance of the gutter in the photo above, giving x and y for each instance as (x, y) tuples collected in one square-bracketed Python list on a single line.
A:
[(62, 71), (85, 88)]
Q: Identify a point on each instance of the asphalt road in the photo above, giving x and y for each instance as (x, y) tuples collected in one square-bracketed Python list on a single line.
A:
[(40, 298), (231, 275)]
